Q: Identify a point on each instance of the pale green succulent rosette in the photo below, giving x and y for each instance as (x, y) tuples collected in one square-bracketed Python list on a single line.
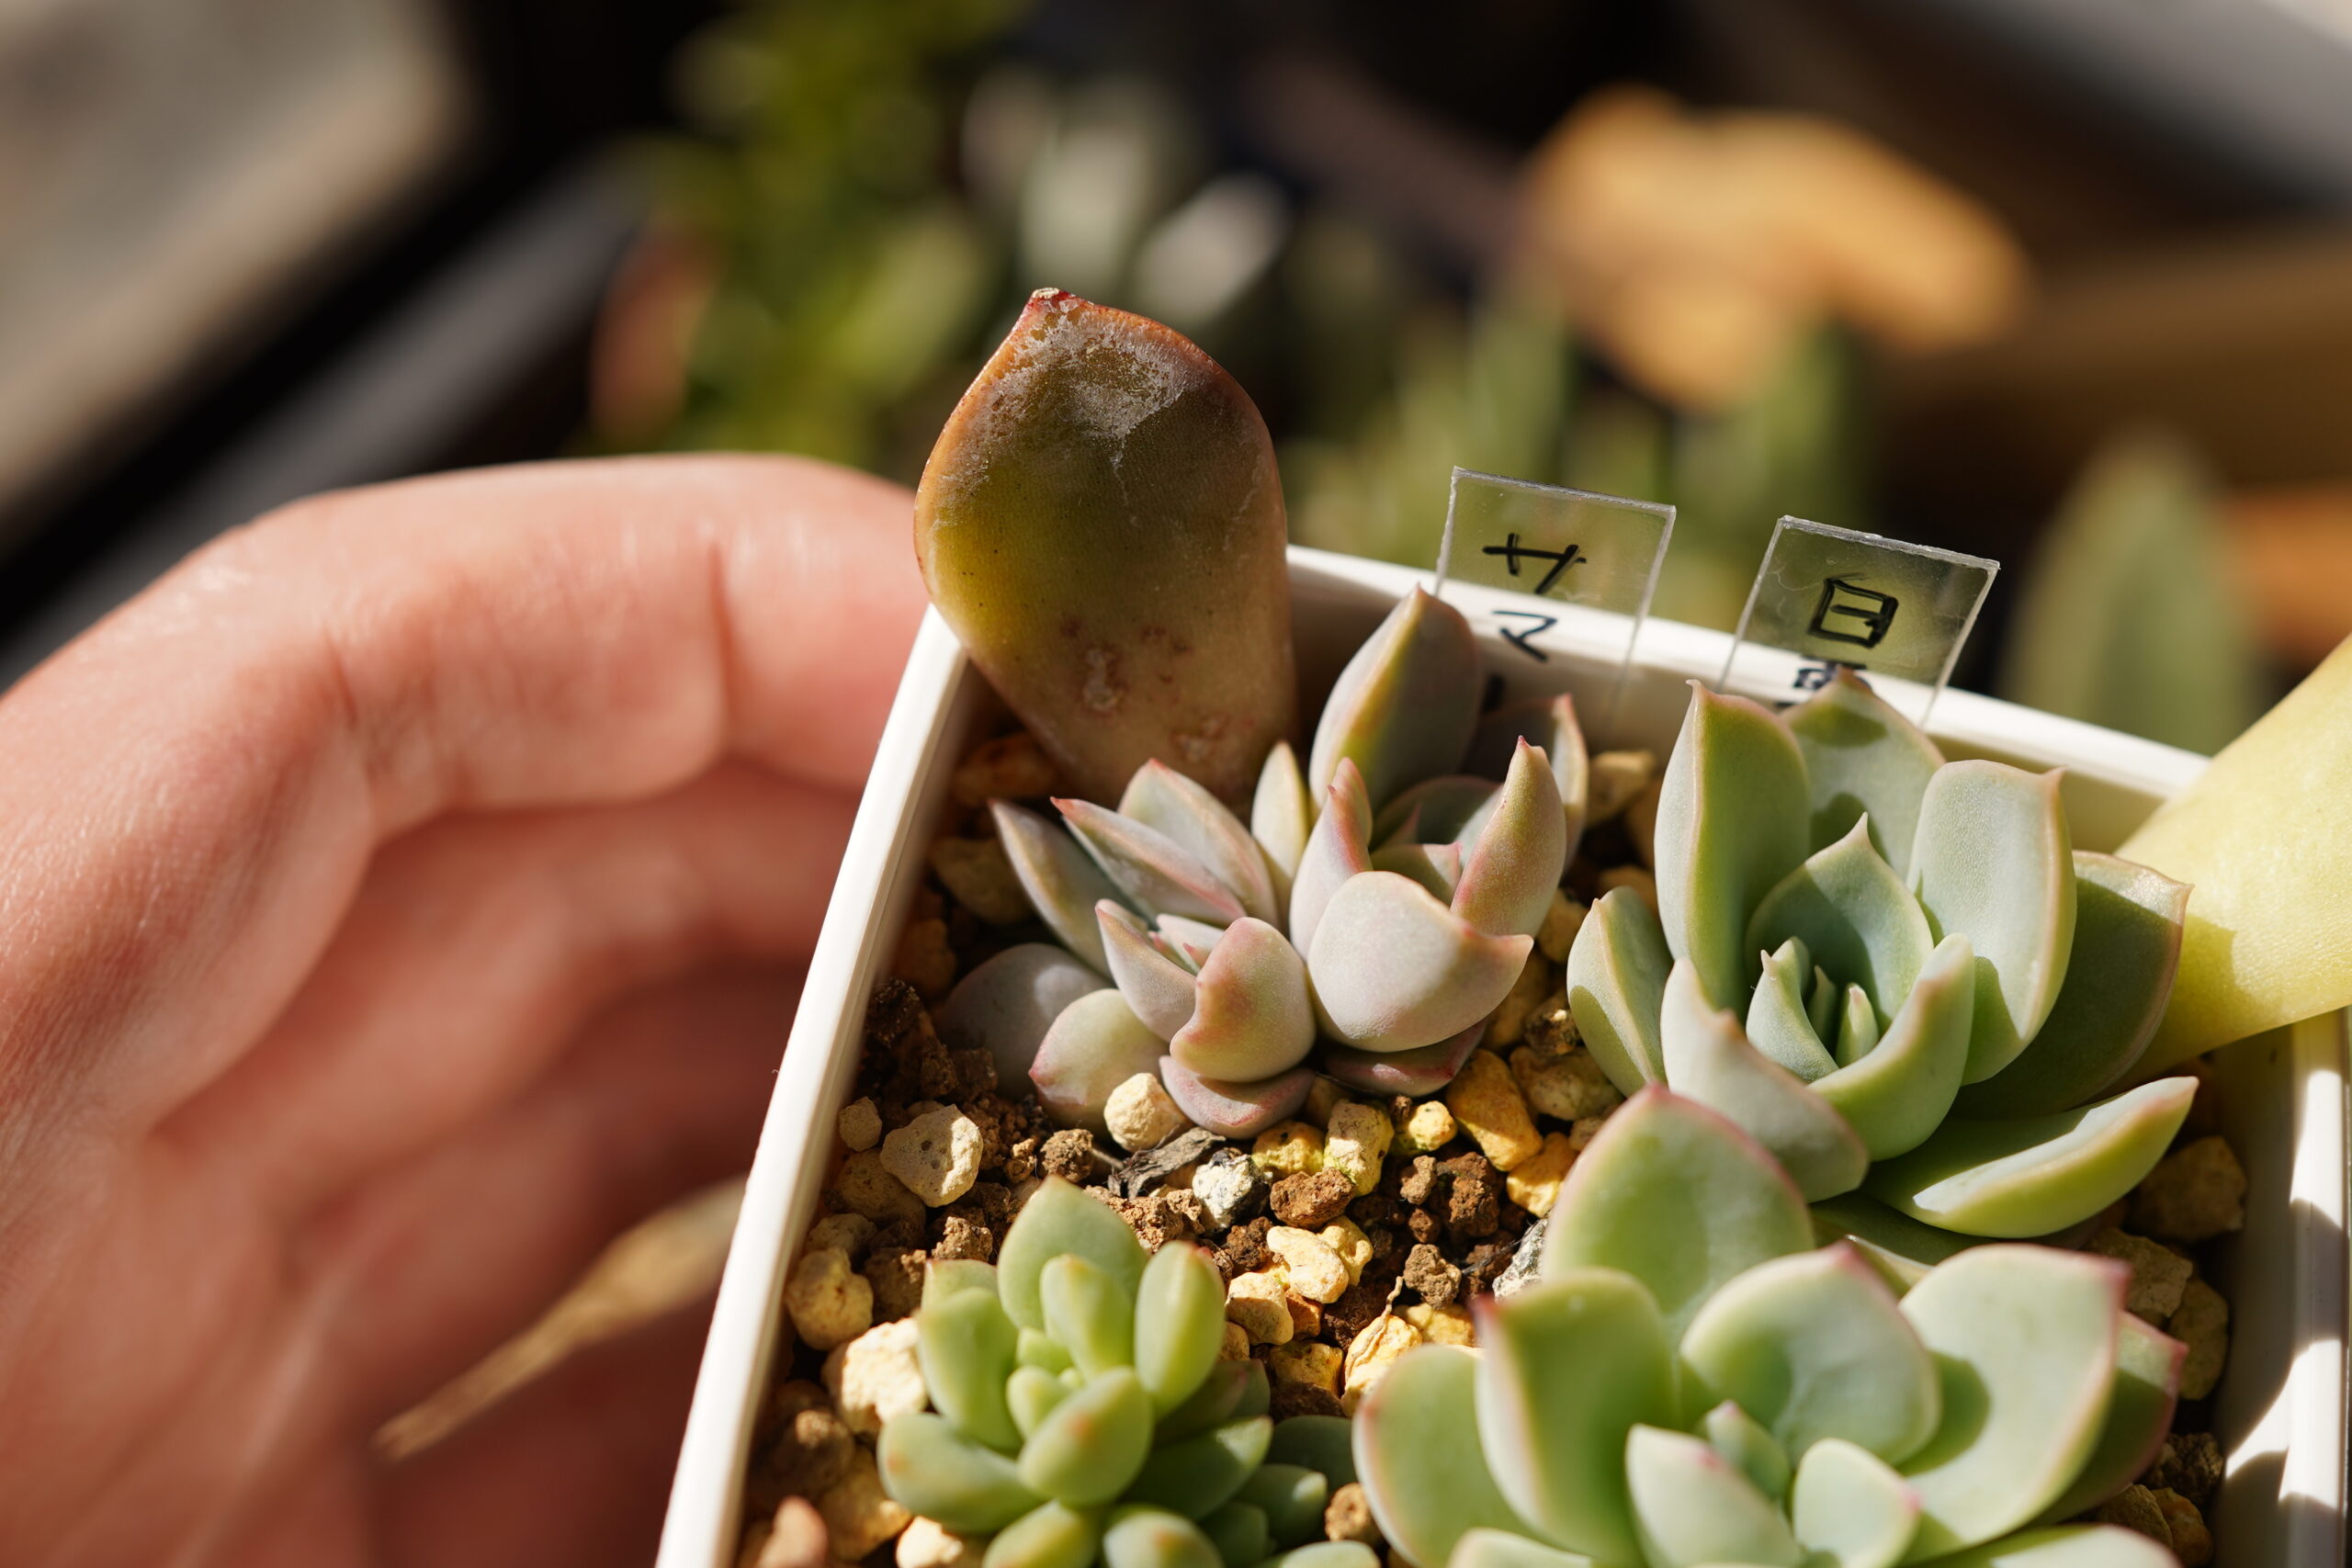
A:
[(1080, 1411), (1895, 971), (1688, 1382), (1380, 902)]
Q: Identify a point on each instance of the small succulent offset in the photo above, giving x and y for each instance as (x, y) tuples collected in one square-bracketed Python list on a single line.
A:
[(1894, 971), (1383, 898), (1080, 1411), (1688, 1382)]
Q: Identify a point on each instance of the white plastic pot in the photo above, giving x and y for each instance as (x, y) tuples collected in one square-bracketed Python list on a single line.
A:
[(2281, 1405)]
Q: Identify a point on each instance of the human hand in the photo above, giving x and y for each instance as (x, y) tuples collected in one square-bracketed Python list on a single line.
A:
[(397, 901)]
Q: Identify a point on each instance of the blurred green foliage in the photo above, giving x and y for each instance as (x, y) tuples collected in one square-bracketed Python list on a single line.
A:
[(2127, 618)]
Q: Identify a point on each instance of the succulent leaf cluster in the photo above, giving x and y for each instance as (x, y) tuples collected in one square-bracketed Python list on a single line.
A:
[(1691, 1381), (1387, 925), (1894, 971), (1080, 1411)]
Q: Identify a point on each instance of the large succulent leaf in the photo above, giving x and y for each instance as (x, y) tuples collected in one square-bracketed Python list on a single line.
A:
[(1854, 916), (1197, 1475), (1051, 1535), (2259, 835), (2025, 1343), (1088, 1448), (1160, 991), (1063, 882), (1420, 1458), (1006, 1003), (1231, 1109), (1864, 759), (2139, 1417), (2118, 977), (1513, 867), (1415, 1072), (1731, 823), (1899, 1092), (1500, 1549), (1154, 872), (1779, 1022), (1993, 861), (1090, 1313), (1405, 706), (1677, 1197), (1394, 969), (2066, 1546), (1281, 815), (1900, 1247), (1179, 1324), (1449, 808), (965, 1343), (1852, 1508), (1322, 1443), (1567, 1367), (929, 1467), (1155, 1537), (1058, 1218), (1434, 868), (1815, 1346), (1694, 1509), (1179, 809), (1095, 1045), (1102, 523), (1251, 1015), (1615, 982), (1708, 1059), (1551, 726), (1338, 848), (1741, 1438), (2029, 1176)]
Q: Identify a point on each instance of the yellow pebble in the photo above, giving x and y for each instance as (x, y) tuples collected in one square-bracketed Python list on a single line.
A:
[(1356, 1143), (1313, 1268), (1310, 1363), (1287, 1148), (1447, 1325), (1534, 1185), (1370, 1355), (1428, 1128), (1487, 1102), (1261, 1304), (1346, 1237)]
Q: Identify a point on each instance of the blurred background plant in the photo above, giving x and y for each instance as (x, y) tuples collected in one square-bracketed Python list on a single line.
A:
[(1709, 307)]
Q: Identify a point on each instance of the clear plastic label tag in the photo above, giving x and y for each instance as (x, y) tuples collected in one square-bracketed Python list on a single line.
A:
[(1829, 597), (1593, 560)]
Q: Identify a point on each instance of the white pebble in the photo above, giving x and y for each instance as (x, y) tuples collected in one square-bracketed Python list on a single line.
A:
[(936, 1156), (1140, 1114)]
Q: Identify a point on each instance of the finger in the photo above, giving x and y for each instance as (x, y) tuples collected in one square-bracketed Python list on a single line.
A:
[(215, 761), (426, 1267), (572, 1469), (478, 947)]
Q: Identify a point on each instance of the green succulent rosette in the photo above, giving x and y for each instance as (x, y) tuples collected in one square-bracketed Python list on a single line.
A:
[(1082, 1411), (1894, 971), (1690, 1384)]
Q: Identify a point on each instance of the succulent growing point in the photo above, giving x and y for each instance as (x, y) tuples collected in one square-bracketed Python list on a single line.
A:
[(1689, 1381), (1101, 524), (1389, 924), (1080, 1410), (1896, 971)]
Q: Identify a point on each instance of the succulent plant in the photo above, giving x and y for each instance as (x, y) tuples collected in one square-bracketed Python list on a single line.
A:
[(1690, 1382), (1101, 524), (1080, 1410), (1234, 948), (1894, 971)]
